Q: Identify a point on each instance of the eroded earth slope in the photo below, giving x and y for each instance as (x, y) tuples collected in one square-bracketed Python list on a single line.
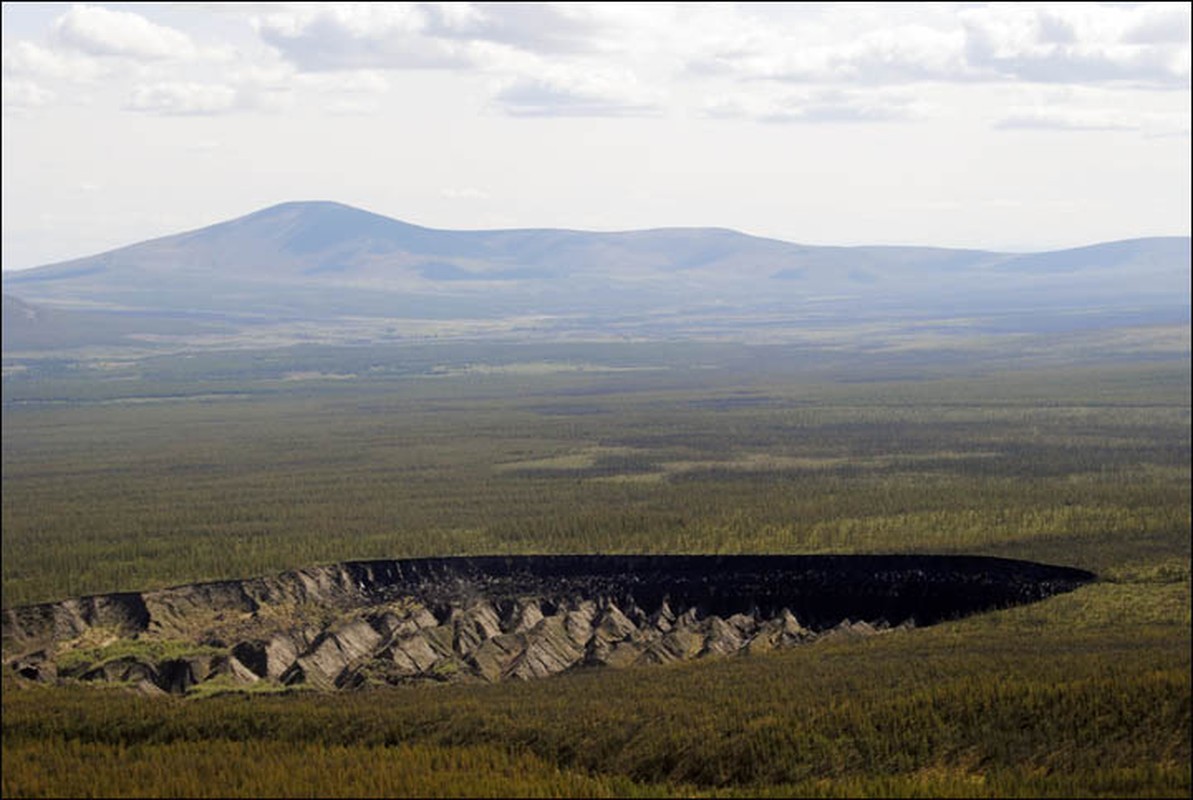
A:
[(496, 618)]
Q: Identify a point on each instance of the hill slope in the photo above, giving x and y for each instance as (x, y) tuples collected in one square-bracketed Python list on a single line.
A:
[(324, 261)]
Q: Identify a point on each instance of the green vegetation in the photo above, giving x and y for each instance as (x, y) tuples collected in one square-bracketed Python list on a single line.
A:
[(235, 474), (149, 649), (123, 495), (1069, 697)]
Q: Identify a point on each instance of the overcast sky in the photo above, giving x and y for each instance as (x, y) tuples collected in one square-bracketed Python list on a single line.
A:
[(1015, 127)]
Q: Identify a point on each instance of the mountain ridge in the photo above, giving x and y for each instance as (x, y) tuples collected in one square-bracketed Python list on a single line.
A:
[(322, 260), (323, 227)]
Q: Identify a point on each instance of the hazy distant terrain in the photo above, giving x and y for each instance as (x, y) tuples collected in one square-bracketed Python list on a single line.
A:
[(318, 271), (312, 384)]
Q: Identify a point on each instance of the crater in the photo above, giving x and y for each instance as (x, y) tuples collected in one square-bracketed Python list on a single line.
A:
[(493, 618)]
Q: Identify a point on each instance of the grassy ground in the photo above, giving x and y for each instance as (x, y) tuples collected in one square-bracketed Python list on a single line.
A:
[(1084, 694), (1091, 466)]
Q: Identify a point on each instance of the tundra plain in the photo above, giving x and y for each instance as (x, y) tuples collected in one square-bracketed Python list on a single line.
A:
[(154, 471)]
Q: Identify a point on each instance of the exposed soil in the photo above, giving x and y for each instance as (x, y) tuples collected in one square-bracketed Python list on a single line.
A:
[(497, 618)]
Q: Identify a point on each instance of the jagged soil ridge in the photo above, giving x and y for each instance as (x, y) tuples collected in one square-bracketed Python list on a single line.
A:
[(500, 617)]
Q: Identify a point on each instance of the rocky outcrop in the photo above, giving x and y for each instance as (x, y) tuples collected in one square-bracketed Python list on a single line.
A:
[(501, 618)]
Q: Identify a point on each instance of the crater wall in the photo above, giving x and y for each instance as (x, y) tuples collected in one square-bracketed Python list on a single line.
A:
[(501, 617)]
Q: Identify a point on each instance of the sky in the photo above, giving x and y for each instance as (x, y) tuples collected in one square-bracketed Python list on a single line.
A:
[(1015, 127)]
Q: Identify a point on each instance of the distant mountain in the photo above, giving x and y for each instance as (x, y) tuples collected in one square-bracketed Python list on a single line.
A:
[(324, 261), (329, 243)]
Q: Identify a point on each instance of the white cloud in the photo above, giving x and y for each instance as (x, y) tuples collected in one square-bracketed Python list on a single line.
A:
[(1049, 107), (328, 36), (887, 56), (529, 46), (32, 60), (1078, 43), (1066, 119), (1159, 23), (100, 31), (1066, 43), (20, 95), (822, 106), (261, 89), (545, 28), (566, 92), (903, 54), (177, 98), (359, 36)]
